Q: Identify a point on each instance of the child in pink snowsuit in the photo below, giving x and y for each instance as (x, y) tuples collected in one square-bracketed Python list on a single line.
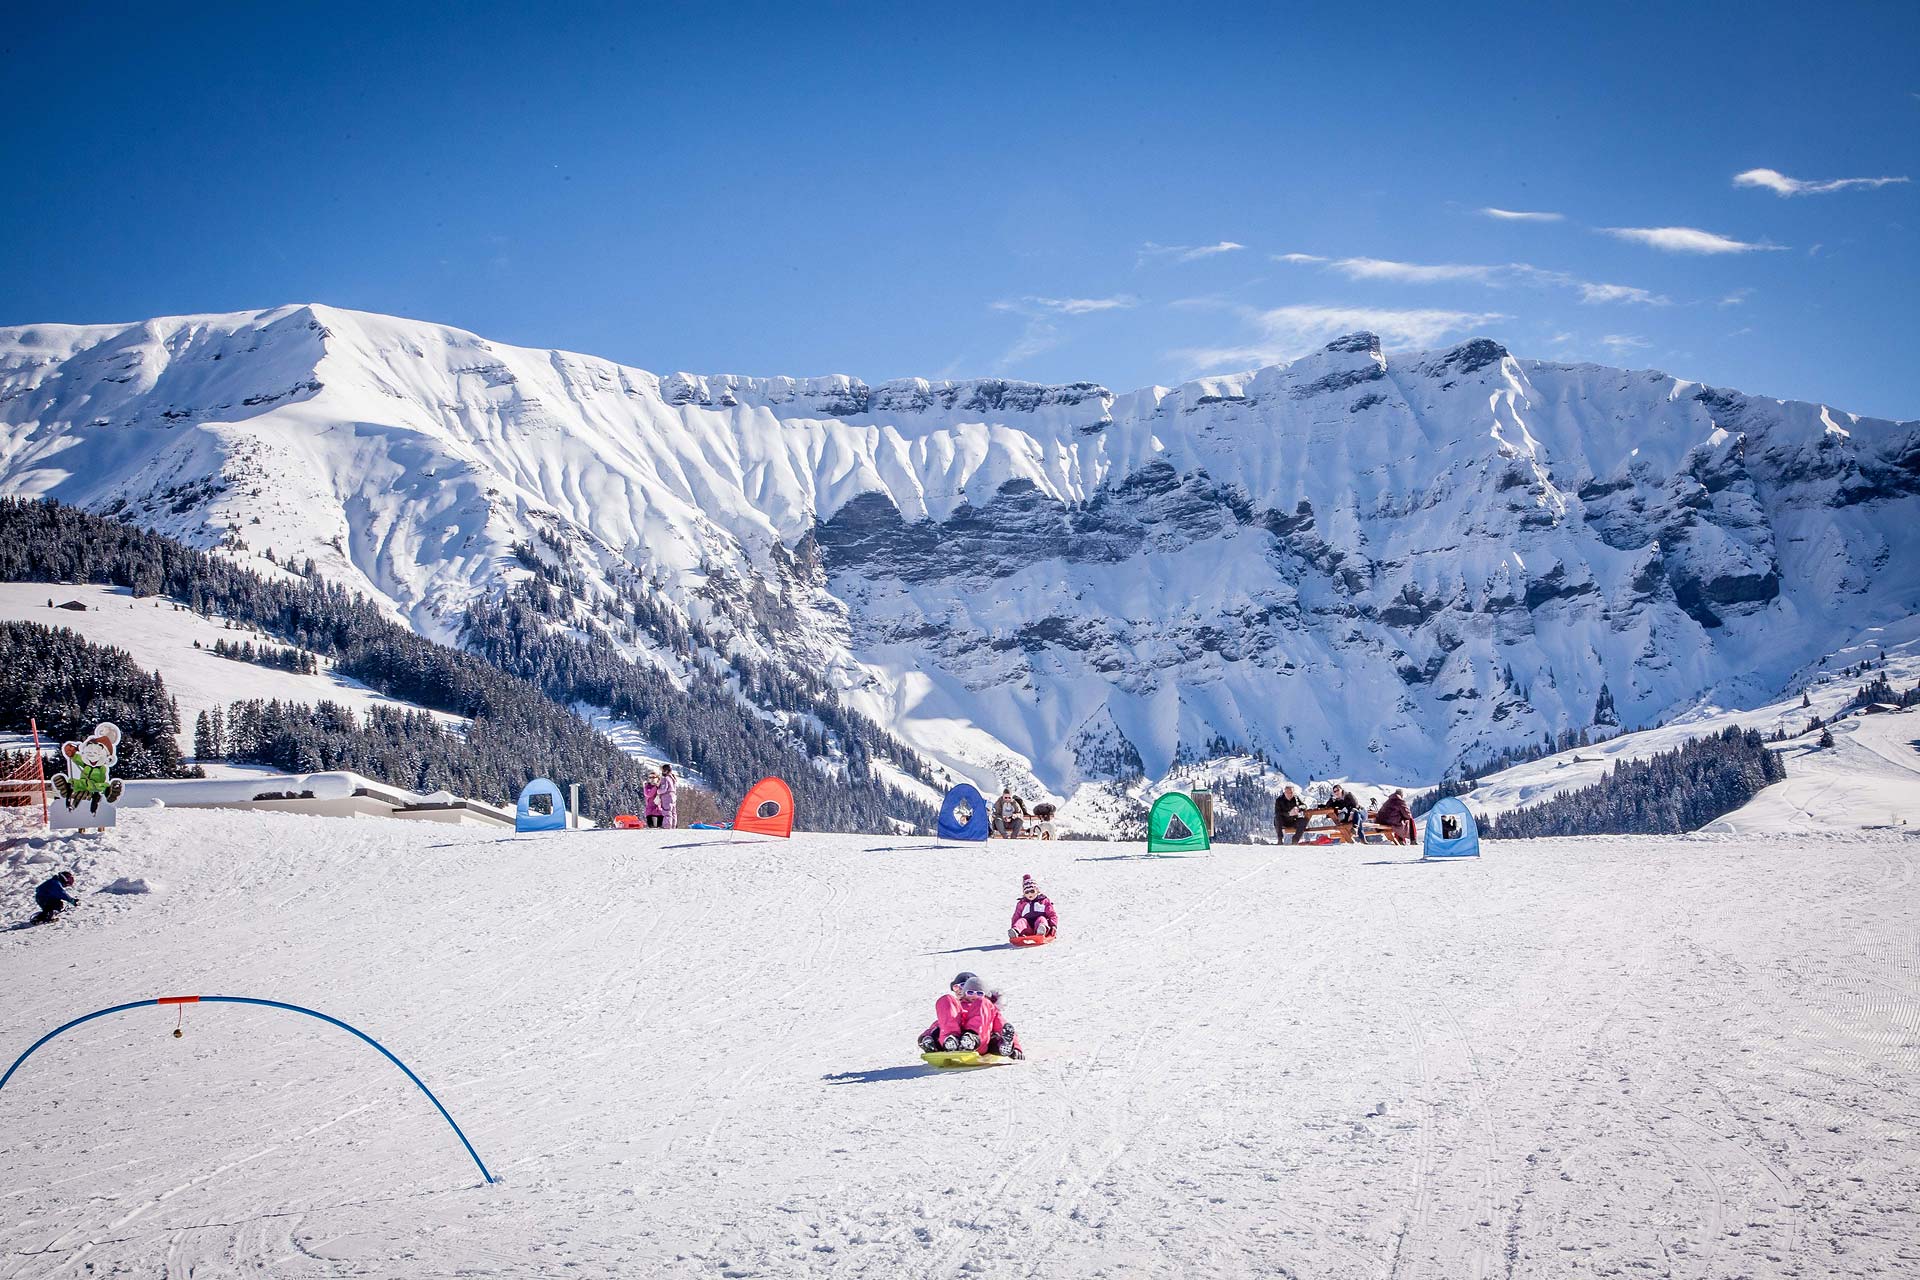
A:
[(1034, 912), (968, 1017)]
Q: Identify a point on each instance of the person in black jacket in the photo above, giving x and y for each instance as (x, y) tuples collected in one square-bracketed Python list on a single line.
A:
[(52, 897), (1346, 812), (1289, 810)]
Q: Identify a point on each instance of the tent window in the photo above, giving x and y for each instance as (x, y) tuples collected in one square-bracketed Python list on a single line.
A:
[(768, 809), (540, 803), (1449, 826), (1177, 830)]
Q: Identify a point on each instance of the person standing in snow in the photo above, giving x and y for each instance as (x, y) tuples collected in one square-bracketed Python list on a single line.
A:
[(1289, 813), (1034, 912), (669, 802), (1397, 818), (53, 898), (650, 792)]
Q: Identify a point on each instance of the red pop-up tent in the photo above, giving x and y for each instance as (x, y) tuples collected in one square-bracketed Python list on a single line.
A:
[(767, 809)]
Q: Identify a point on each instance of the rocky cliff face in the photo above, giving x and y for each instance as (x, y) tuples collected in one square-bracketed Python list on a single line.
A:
[(1355, 563)]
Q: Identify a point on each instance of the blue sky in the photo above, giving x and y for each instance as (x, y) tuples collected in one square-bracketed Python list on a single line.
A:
[(1044, 192)]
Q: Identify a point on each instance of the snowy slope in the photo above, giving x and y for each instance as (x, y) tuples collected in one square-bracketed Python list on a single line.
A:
[(1825, 690), (688, 1058), (1358, 564), (161, 638)]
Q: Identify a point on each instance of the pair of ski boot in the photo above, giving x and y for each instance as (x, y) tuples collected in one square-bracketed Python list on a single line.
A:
[(1001, 1045)]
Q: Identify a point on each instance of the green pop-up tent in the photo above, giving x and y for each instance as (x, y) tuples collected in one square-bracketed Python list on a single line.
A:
[(1174, 825)]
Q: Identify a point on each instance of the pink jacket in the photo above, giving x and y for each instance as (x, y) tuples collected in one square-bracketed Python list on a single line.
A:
[(669, 803), (651, 791), (1032, 912), (952, 1015)]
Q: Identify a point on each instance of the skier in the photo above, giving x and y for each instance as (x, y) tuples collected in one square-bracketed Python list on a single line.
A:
[(1034, 912), (651, 791), (669, 802), (53, 897)]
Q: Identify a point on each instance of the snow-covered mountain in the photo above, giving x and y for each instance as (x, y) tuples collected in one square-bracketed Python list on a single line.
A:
[(1352, 564)]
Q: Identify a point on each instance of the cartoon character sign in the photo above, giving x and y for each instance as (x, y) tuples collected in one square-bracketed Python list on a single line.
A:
[(89, 790)]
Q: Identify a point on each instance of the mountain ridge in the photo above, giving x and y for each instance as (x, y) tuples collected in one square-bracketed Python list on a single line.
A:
[(1357, 562)]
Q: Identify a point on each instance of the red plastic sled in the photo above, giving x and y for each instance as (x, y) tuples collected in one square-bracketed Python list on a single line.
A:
[(1033, 939), (626, 822)]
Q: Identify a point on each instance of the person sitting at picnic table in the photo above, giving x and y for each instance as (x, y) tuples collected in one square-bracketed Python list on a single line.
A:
[(1289, 813), (1397, 818), (1346, 811), (1009, 814)]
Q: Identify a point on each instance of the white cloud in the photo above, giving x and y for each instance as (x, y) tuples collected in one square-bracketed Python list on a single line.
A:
[(1298, 257), (1039, 336), (1686, 240), (1042, 332), (1522, 215), (1069, 306), (1781, 185), (1493, 276), (1617, 293), (1412, 272), (1186, 252), (1621, 343), (1736, 298), (1286, 332)]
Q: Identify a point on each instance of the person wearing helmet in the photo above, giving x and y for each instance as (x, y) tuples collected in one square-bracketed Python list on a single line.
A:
[(968, 1018), (947, 1029), (1034, 912), (52, 896)]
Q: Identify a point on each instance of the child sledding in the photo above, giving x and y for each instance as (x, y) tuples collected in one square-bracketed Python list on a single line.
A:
[(1035, 922), (968, 1028)]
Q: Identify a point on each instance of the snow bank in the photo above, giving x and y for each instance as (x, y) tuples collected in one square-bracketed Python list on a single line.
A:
[(130, 884)]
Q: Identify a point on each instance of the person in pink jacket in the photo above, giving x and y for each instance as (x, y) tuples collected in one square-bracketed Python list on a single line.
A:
[(969, 1017), (669, 802), (656, 816), (1034, 912)]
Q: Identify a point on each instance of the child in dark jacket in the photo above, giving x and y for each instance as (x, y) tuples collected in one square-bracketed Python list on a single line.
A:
[(52, 897)]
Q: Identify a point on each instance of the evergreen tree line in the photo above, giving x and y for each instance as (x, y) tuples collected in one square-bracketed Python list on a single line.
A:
[(298, 661), (518, 707), (57, 678), (1880, 689), (707, 722), (1675, 791)]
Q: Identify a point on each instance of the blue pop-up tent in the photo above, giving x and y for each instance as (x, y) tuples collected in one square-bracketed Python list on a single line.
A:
[(1451, 831), (963, 796), (528, 816)]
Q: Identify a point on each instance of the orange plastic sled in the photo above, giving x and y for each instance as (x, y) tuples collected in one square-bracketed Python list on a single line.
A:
[(1033, 939), (626, 822), (767, 809)]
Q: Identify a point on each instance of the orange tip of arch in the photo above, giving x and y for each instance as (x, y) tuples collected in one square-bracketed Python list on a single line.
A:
[(177, 1000)]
